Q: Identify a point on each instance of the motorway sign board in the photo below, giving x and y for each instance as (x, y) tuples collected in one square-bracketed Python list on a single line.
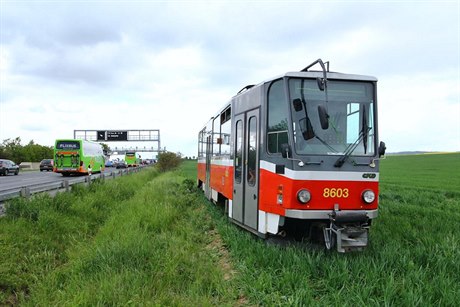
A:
[(117, 136)]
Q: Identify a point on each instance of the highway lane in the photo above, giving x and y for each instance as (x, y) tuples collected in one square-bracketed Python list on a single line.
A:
[(29, 178)]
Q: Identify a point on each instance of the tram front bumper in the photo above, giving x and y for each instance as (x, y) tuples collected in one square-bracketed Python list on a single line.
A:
[(326, 214)]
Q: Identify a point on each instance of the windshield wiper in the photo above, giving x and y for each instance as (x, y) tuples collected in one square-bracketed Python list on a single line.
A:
[(349, 150), (366, 129), (362, 136), (325, 144)]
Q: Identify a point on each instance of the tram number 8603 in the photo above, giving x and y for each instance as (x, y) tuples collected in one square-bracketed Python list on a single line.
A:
[(335, 193)]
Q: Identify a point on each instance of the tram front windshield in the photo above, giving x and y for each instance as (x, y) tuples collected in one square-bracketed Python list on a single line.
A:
[(349, 122)]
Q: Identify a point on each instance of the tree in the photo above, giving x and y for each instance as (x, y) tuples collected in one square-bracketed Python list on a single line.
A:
[(105, 148), (12, 149), (168, 161), (35, 153)]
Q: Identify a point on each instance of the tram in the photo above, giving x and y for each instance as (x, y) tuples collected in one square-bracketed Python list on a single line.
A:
[(297, 154)]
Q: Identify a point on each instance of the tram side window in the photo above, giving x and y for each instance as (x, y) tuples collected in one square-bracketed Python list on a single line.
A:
[(201, 143), (238, 151), (277, 124), (225, 137), (252, 151), (216, 136), (221, 133)]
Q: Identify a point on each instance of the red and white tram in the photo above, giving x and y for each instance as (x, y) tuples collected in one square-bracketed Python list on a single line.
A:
[(297, 154)]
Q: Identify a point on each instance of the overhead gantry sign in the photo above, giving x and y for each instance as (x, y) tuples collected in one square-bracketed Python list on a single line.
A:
[(140, 135)]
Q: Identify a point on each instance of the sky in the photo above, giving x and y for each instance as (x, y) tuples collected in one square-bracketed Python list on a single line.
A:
[(171, 65)]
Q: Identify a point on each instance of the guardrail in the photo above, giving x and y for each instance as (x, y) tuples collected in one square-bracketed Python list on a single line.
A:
[(63, 185)]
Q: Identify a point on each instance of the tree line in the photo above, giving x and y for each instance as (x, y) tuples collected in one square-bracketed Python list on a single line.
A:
[(12, 149)]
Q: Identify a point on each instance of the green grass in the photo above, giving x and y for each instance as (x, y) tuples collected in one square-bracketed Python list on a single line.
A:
[(150, 251), (413, 258), (425, 171), (143, 239), (152, 239), (37, 234)]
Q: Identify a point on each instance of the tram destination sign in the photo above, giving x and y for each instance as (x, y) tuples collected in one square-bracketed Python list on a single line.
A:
[(112, 135)]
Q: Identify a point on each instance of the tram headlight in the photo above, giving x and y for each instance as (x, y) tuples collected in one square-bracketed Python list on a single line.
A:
[(368, 196), (303, 196)]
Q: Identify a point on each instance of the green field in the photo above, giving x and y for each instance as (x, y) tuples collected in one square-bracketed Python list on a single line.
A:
[(436, 172), (151, 239)]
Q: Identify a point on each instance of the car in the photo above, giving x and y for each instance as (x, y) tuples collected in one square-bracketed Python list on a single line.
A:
[(109, 163), (8, 167), (122, 164), (148, 161), (46, 165)]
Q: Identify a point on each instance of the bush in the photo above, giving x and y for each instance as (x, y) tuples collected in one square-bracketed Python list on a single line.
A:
[(168, 161)]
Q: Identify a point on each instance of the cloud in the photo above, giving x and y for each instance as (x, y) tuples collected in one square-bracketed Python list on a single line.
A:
[(172, 65), (421, 111)]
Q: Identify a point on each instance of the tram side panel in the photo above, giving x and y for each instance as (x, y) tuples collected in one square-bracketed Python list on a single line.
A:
[(201, 171), (222, 178)]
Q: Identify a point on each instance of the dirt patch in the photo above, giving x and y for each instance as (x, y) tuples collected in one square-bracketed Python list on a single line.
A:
[(225, 263), (224, 258)]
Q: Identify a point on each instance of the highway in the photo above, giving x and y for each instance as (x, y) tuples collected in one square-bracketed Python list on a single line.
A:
[(30, 178), (27, 183)]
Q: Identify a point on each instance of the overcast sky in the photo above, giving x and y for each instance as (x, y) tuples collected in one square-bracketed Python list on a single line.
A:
[(170, 65)]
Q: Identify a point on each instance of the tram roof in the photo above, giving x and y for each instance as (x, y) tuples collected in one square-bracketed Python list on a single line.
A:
[(313, 74), (330, 75)]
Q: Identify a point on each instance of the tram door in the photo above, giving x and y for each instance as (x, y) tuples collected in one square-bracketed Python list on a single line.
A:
[(208, 166), (246, 169)]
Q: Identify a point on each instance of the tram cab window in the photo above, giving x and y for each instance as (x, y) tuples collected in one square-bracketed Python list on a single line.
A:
[(352, 122), (350, 117), (277, 123)]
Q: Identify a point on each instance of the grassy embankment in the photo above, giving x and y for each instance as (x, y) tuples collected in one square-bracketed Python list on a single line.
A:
[(145, 239), (140, 239)]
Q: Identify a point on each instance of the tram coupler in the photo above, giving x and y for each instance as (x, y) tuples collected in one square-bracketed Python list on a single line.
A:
[(348, 231)]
